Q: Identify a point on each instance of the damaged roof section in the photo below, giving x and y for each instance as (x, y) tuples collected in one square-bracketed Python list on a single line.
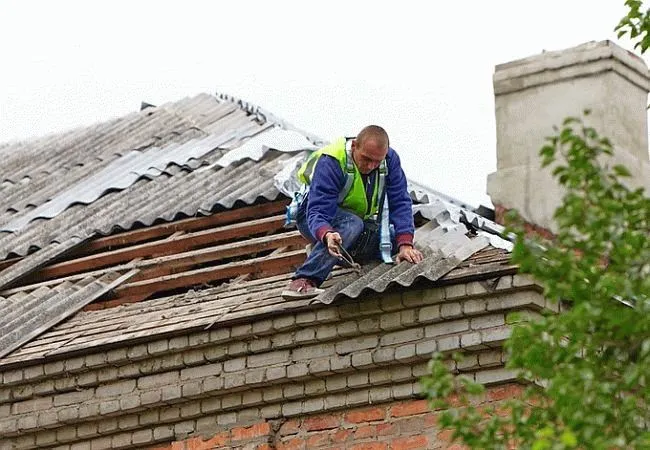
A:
[(171, 269), (25, 315), (241, 299), (175, 200)]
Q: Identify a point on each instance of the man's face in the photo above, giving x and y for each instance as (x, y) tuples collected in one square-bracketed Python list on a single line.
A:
[(368, 154)]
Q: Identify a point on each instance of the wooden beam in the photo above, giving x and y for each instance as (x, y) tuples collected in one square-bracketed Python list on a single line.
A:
[(275, 264), (187, 259), (104, 304), (218, 253), (191, 224), (9, 262), (165, 247)]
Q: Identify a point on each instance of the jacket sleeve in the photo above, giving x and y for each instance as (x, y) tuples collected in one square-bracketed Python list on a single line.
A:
[(326, 183), (399, 201)]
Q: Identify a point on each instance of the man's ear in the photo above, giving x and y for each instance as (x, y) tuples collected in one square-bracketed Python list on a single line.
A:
[(353, 145)]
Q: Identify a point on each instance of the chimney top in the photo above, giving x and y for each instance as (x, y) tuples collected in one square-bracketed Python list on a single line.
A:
[(535, 93)]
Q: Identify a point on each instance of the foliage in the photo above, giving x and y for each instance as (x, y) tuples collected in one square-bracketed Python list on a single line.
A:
[(588, 368), (635, 24)]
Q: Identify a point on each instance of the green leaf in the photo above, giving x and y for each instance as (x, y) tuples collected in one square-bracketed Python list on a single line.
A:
[(621, 171), (569, 439)]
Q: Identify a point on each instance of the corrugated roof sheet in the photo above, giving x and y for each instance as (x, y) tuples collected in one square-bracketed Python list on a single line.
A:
[(34, 171), (120, 174), (24, 316), (443, 250), (84, 220)]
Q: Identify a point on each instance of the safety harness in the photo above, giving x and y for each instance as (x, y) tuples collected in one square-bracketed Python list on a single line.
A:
[(385, 245)]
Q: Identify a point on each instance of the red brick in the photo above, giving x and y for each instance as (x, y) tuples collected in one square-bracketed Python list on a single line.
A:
[(289, 427), (431, 420), (180, 445), (222, 439), (257, 430), (365, 432), (445, 435), (386, 429), (341, 435), (370, 446), (457, 447), (265, 447), (195, 444), (291, 444), (504, 392), (454, 401), (485, 412), (198, 443), (410, 408), (366, 415), (318, 440), (410, 425), (409, 443), (321, 423), (502, 411)]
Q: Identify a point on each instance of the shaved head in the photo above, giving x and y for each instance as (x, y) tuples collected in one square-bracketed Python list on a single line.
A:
[(370, 148), (374, 132)]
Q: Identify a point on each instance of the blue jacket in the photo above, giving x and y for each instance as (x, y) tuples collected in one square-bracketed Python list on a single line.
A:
[(328, 180)]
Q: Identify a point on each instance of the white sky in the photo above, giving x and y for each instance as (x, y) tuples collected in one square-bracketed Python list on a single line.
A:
[(421, 69)]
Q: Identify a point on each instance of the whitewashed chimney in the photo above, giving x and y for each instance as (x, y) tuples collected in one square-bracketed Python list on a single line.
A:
[(535, 93)]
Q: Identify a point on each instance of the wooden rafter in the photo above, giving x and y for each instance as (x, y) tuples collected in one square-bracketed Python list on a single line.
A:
[(187, 225), (221, 252), (167, 229), (8, 262), (179, 244), (273, 264), (288, 240)]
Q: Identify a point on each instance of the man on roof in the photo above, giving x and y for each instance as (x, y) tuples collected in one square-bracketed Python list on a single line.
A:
[(348, 182)]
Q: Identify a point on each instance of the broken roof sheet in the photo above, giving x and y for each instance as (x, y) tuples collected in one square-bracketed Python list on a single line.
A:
[(24, 316), (185, 194)]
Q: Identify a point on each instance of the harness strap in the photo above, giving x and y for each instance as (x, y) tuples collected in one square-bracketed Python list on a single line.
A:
[(385, 245), (349, 172)]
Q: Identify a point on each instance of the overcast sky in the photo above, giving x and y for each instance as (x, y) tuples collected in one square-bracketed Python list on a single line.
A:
[(423, 69)]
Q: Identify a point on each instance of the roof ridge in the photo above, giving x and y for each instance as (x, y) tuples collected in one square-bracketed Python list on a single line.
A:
[(263, 116)]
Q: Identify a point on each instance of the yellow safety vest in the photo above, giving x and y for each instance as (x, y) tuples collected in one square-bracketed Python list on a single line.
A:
[(353, 195)]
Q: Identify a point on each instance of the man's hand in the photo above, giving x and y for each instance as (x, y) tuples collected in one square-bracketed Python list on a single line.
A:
[(410, 254), (332, 241)]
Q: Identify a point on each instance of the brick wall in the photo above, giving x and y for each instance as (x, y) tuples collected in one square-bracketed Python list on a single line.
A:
[(530, 228), (282, 367), (406, 425)]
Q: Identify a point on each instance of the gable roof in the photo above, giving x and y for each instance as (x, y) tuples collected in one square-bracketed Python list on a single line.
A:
[(178, 177)]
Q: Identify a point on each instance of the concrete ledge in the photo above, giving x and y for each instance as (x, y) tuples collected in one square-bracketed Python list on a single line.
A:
[(584, 60)]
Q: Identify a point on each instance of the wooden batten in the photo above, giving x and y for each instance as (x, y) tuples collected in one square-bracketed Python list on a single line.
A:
[(163, 247), (270, 265), (282, 242), (8, 263), (187, 225)]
